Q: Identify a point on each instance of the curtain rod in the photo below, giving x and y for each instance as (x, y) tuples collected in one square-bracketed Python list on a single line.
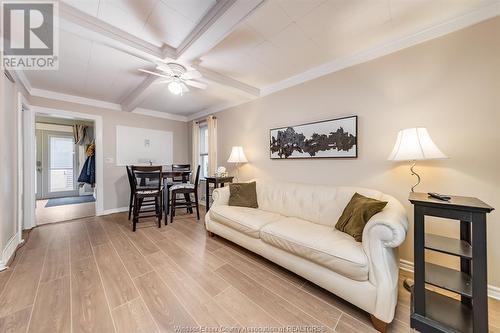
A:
[(204, 120)]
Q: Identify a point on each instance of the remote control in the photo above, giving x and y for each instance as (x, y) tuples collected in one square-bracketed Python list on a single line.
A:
[(439, 196)]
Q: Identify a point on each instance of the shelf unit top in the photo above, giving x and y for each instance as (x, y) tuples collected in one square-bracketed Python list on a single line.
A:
[(456, 202)]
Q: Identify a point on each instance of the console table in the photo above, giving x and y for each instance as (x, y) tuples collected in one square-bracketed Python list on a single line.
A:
[(431, 311), (216, 181)]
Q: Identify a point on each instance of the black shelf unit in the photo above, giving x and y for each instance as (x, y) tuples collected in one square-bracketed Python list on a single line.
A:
[(433, 312)]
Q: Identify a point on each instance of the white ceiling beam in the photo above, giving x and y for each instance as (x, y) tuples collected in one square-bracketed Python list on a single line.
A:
[(216, 25), (229, 83), (135, 98), (92, 28)]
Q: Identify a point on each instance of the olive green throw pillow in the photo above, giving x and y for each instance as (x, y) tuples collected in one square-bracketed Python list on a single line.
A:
[(243, 195), (357, 213)]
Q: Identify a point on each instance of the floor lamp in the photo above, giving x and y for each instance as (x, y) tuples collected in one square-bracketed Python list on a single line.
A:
[(237, 156), (414, 144)]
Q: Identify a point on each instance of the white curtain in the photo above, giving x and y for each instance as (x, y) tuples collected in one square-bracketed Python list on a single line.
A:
[(212, 145), (196, 149)]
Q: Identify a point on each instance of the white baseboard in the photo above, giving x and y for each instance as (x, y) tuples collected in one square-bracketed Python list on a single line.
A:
[(493, 292), (9, 250), (113, 211)]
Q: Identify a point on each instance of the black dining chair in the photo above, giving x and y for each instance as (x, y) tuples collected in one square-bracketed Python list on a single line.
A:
[(131, 182), (148, 191), (181, 179), (187, 189)]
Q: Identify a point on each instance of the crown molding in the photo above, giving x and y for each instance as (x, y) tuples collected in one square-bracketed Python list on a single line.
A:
[(159, 114), (74, 99), (436, 31), (21, 81), (103, 104), (214, 109)]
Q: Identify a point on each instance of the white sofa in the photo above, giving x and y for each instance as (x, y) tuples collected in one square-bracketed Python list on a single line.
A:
[(294, 227)]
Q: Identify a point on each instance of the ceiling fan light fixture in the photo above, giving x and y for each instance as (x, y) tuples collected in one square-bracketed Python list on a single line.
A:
[(175, 88)]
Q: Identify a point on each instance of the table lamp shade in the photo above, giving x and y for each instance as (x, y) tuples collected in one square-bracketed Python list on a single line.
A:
[(237, 155), (414, 144)]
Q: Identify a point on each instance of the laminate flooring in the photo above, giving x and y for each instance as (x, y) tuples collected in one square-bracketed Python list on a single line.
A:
[(96, 275)]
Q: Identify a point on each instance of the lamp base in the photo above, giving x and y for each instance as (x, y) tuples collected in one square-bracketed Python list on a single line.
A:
[(408, 284), (414, 174)]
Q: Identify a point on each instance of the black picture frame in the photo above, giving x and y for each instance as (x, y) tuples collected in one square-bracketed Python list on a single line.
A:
[(305, 146)]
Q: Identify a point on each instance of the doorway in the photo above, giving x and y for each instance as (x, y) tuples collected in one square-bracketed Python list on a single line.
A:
[(56, 153), (60, 159)]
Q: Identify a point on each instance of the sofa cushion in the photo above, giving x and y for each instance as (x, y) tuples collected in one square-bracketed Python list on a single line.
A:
[(246, 220), (320, 244), (316, 203)]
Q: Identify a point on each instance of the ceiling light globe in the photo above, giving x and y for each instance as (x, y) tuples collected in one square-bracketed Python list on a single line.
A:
[(175, 87)]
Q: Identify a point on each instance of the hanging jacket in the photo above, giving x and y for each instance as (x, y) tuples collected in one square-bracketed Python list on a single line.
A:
[(87, 174)]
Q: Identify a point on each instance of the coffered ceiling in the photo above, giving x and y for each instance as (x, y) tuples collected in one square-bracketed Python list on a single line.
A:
[(244, 48)]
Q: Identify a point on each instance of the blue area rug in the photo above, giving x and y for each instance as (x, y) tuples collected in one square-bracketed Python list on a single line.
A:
[(69, 200)]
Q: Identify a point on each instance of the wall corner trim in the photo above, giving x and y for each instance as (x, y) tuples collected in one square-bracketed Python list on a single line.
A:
[(9, 250), (113, 211)]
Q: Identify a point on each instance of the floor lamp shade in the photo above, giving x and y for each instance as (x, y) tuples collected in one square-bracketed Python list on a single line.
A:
[(415, 144), (237, 155)]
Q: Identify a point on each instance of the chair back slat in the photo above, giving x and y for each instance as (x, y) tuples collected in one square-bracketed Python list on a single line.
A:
[(181, 167), (147, 177)]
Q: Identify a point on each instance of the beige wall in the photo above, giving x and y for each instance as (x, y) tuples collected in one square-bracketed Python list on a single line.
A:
[(9, 160), (451, 85), (116, 187)]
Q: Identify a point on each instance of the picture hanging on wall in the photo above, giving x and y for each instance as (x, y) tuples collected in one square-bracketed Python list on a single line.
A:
[(334, 138)]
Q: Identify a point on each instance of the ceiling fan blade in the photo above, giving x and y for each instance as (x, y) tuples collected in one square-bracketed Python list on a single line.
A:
[(165, 68), (190, 75), (196, 84), (163, 81), (184, 88), (153, 73)]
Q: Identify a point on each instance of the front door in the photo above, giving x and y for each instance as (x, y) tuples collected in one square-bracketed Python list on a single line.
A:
[(59, 171)]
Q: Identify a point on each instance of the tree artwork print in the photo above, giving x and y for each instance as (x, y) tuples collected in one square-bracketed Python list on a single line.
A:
[(335, 138)]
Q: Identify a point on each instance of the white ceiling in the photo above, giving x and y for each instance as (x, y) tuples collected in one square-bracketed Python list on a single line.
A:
[(278, 40), (156, 21), (287, 37)]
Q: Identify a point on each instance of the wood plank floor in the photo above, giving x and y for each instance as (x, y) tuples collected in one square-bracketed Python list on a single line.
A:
[(96, 275)]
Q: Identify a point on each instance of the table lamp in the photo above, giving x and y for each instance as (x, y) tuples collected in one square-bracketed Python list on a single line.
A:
[(415, 144), (237, 156)]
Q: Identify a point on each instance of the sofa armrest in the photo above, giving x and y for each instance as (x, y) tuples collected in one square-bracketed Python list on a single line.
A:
[(383, 233), (389, 226), (220, 196)]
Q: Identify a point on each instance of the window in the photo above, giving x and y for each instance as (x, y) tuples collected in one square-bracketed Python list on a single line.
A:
[(61, 164), (203, 147)]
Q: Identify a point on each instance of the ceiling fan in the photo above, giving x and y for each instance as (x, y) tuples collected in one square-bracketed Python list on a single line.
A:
[(177, 77)]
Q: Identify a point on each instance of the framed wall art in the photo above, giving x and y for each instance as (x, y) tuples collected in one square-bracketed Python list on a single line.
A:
[(334, 138)]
